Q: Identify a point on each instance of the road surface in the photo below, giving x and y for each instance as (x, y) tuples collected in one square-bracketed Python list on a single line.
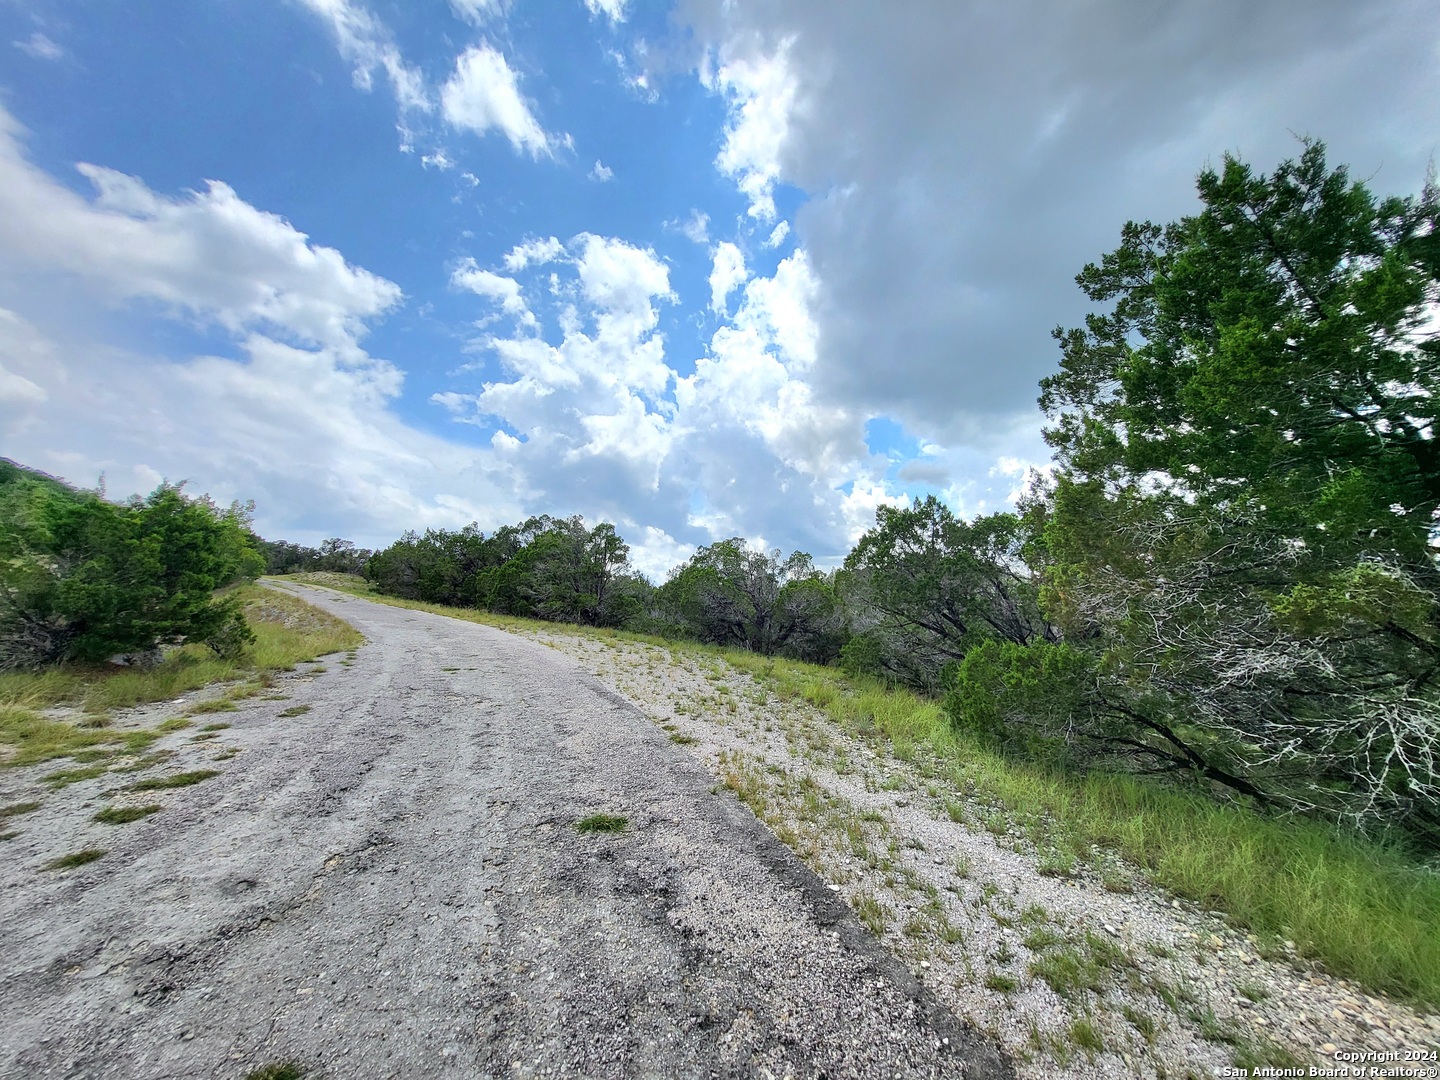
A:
[(392, 885)]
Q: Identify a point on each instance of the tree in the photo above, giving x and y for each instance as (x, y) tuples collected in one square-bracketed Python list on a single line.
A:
[(83, 578), (924, 587), (1242, 535), (730, 594)]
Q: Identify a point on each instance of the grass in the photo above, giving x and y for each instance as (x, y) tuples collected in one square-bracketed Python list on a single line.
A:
[(78, 858), (287, 631), (16, 809), (295, 710), (601, 823), (176, 780), (1005, 984), (1364, 910), (119, 815), (280, 1070)]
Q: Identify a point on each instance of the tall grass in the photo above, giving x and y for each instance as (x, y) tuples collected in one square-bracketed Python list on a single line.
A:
[(1364, 910), (287, 631)]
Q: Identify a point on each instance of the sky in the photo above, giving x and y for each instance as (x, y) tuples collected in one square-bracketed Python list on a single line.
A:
[(702, 268)]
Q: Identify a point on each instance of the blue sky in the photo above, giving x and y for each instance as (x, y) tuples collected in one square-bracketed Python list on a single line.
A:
[(702, 269)]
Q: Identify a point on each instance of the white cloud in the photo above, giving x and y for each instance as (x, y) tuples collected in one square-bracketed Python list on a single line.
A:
[(654, 552), (304, 426), (621, 279), (438, 160), (40, 47), (602, 173), (533, 252), (503, 290), (727, 272), (365, 42), (778, 235), (696, 227), (478, 12), (614, 10), (208, 253), (483, 94), (760, 91)]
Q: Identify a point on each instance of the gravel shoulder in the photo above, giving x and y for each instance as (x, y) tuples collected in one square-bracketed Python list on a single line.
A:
[(385, 879), (1096, 975)]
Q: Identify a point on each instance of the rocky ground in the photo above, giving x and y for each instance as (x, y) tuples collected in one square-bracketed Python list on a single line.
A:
[(1097, 974)]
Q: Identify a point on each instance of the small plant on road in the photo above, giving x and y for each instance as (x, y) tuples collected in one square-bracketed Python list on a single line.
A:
[(608, 823), (119, 815), (295, 710), (184, 779), (78, 858), (282, 1070)]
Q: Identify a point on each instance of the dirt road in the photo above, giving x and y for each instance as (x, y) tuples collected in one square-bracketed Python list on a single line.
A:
[(392, 884)]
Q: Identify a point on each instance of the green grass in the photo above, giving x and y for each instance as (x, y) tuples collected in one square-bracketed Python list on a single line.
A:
[(119, 815), (287, 631), (78, 858), (175, 780), (281, 1070), (605, 823), (16, 809), (295, 710), (1364, 910), (1005, 984)]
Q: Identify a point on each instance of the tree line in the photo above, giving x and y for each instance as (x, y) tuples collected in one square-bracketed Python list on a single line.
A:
[(1229, 576)]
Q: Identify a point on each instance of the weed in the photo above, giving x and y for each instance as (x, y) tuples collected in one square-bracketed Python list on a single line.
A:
[(119, 815), (1253, 992), (78, 858), (1005, 984), (1144, 1023), (281, 1070), (295, 710), (214, 727), (8, 835), (1041, 938), (874, 914), (1264, 1053), (74, 776), (1085, 1035), (177, 780), (683, 740), (226, 754), (218, 705), (16, 809), (603, 823)]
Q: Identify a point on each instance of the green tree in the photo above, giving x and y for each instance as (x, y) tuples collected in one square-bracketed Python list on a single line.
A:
[(924, 587), (1242, 532), (730, 594), (83, 578)]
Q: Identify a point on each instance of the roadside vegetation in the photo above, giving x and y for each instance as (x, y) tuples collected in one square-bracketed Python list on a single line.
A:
[(65, 710)]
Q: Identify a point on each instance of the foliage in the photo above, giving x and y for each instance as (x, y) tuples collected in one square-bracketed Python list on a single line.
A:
[(83, 578), (731, 594), (553, 568), (924, 587), (1242, 532), (335, 555)]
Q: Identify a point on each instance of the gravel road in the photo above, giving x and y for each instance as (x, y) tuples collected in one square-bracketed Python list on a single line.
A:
[(392, 884)]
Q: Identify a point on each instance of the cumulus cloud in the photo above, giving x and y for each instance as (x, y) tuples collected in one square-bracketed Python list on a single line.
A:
[(962, 163), (778, 234), (602, 172), (483, 94), (533, 252), (759, 89), (208, 253), (503, 290), (299, 416), (727, 271)]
